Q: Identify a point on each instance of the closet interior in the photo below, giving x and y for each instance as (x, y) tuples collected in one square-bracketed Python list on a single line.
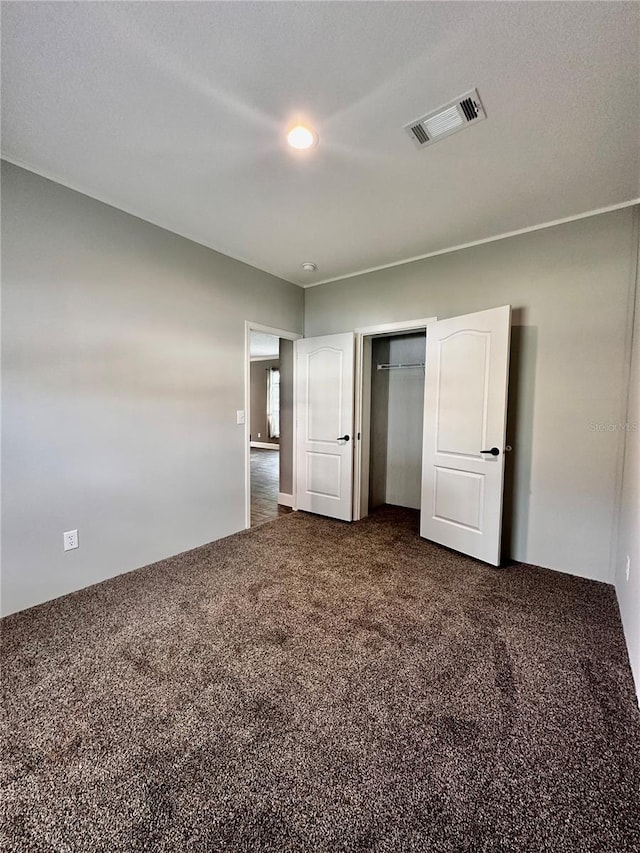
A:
[(396, 411)]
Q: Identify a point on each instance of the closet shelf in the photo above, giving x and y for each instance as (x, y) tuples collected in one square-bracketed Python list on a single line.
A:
[(400, 366)]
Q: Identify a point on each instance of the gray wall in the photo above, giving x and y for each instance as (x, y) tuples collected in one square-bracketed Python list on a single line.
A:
[(258, 389), (629, 534), (569, 287), (123, 367), (286, 416)]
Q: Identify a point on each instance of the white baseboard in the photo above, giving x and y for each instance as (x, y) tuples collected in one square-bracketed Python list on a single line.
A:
[(264, 446), (284, 499)]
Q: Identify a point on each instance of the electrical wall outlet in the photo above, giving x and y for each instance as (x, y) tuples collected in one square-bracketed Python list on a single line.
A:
[(628, 566), (259, 435), (70, 540)]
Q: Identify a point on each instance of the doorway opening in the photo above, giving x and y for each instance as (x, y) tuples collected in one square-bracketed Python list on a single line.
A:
[(397, 400), (463, 434), (269, 437), (390, 379)]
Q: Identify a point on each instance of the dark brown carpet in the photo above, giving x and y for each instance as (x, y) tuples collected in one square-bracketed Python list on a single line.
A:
[(317, 686)]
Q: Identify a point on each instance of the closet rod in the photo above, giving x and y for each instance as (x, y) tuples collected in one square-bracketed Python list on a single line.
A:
[(400, 366)]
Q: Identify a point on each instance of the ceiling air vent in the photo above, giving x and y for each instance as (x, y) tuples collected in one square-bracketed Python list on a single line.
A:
[(420, 133), (452, 117)]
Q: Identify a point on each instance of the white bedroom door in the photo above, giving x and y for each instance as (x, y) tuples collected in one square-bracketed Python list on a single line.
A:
[(324, 425), (465, 416)]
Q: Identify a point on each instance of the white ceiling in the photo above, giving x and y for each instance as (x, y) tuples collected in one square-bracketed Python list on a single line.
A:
[(262, 345), (176, 112)]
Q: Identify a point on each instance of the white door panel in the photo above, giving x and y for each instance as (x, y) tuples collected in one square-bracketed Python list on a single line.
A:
[(324, 424), (461, 392), (465, 414), (458, 497), (323, 474)]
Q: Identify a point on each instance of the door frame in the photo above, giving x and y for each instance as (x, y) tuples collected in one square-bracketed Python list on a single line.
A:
[(251, 326), (362, 410)]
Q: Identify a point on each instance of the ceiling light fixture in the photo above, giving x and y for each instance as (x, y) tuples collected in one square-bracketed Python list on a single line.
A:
[(308, 266), (302, 137)]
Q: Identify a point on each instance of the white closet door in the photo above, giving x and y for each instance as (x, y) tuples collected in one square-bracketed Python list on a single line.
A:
[(324, 425), (465, 418)]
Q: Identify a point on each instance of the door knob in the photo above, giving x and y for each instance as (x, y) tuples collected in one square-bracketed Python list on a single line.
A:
[(343, 438), (494, 451)]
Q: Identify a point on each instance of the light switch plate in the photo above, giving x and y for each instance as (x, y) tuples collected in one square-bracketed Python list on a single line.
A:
[(240, 416)]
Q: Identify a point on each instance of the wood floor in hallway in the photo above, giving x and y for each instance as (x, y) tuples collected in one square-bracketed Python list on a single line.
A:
[(265, 477)]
